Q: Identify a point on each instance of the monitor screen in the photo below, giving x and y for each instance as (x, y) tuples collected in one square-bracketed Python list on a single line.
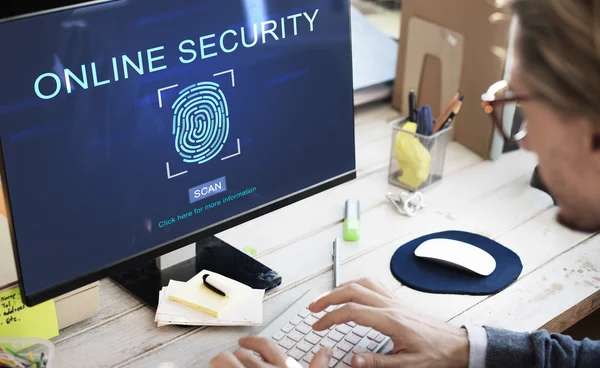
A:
[(129, 126)]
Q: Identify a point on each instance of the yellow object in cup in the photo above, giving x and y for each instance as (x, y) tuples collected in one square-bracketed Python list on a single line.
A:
[(413, 158)]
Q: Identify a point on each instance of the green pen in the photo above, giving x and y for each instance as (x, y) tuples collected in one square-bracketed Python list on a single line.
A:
[(352, 221)]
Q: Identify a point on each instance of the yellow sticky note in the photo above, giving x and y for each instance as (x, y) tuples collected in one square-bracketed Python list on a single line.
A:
[(18, 320)]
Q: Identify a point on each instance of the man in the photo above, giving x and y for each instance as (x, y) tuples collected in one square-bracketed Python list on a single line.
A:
[(556, 81)]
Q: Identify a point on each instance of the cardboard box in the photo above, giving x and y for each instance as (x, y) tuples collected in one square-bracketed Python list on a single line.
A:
[(484, 30)]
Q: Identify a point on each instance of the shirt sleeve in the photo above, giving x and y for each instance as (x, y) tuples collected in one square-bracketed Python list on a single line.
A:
[(478, 342)]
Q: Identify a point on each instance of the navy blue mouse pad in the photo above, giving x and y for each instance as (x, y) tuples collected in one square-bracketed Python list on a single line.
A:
[(431, 277)]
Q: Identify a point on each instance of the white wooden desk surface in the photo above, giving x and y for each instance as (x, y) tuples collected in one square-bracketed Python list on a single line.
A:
[(558, 286)]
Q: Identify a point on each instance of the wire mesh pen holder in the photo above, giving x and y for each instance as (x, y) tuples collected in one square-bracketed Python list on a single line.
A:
[(416, 161)]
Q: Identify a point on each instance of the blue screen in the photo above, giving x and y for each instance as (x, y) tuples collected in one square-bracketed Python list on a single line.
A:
[(128, 124)]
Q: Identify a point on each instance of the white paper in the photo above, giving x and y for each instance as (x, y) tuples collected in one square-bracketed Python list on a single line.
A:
[(243, 312)]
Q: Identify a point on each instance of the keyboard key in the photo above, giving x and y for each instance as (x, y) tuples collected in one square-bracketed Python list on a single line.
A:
[(319, 315), (328, 342), (359, 349), (338, 353), (287, 328), (322, 333), (296, 353), (351, 324), (345, 346), (279, 335), (380, 338), (282, 349), (310, 320), (304, 364), (296, 320), (348, 358), (312, 338), (335, 336), (305, 346), (330, 309), (344, 329), (303, 328), (309, 357), (353, 339), (332, 327), (342, 365), (305, 313), (372, 346), (316, 349), (332, 362), (361, 331), (372, 335), (295, 335), (287, 343)]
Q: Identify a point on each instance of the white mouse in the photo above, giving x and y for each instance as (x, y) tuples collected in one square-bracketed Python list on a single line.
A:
[(457, 254)]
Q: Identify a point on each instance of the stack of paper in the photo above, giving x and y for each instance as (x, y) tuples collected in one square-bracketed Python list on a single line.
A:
[(192, 303)]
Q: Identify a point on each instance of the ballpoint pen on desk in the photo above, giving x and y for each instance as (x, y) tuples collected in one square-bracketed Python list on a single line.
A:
[(335, 253)]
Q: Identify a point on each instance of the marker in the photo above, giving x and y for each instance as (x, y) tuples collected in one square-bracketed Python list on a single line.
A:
[(352, 221), (215, 285), (412, 106)]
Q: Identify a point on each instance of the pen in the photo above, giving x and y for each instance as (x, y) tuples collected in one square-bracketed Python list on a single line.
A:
[(412, 106), (336, 262)]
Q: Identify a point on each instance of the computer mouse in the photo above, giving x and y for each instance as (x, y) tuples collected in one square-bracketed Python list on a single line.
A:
[(454, 253)]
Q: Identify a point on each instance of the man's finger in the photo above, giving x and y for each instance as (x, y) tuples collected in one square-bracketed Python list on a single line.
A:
[(248, 359), (373, 285), (376, 360), (225, 360), (266, 348), (322, 358), (350, 293), (361, 314)]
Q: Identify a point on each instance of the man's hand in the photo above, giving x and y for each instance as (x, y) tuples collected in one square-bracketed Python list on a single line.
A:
[(270, 353), (419, 341)]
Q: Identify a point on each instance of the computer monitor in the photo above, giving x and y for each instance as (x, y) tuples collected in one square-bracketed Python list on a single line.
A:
[(132, 128)]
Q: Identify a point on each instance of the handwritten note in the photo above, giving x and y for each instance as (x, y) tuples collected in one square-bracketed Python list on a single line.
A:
[(18, 320)]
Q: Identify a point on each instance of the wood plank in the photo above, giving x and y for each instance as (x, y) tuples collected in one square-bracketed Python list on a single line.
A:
[(552, 290), (327, 209), (381, 225), (113, 302)]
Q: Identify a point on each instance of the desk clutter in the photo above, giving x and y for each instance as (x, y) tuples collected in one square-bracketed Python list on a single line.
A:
[(209, 299), (18, 352), (419, 144)]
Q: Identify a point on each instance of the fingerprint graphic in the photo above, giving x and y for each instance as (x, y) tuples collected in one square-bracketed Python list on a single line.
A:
[(200, 122)]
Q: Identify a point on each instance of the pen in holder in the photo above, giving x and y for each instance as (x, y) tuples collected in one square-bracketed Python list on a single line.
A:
[(416, 160)]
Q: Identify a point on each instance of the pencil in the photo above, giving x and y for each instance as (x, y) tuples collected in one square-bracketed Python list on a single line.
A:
[(446, 113)]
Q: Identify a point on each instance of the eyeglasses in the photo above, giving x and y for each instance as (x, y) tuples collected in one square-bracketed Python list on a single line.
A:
[(495, 100)]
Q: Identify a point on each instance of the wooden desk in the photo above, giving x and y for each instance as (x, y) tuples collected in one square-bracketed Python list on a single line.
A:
[(558, 286)]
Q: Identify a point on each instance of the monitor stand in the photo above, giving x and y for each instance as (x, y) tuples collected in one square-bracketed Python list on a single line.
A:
[(146, 280)]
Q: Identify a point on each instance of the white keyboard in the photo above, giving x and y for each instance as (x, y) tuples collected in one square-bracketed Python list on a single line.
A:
[(295, 337)]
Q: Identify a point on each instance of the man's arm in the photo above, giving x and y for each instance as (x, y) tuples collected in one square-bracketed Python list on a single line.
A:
[(537, 349)]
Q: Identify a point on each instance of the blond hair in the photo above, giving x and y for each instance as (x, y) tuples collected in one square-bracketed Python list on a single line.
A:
[(558, 47)]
